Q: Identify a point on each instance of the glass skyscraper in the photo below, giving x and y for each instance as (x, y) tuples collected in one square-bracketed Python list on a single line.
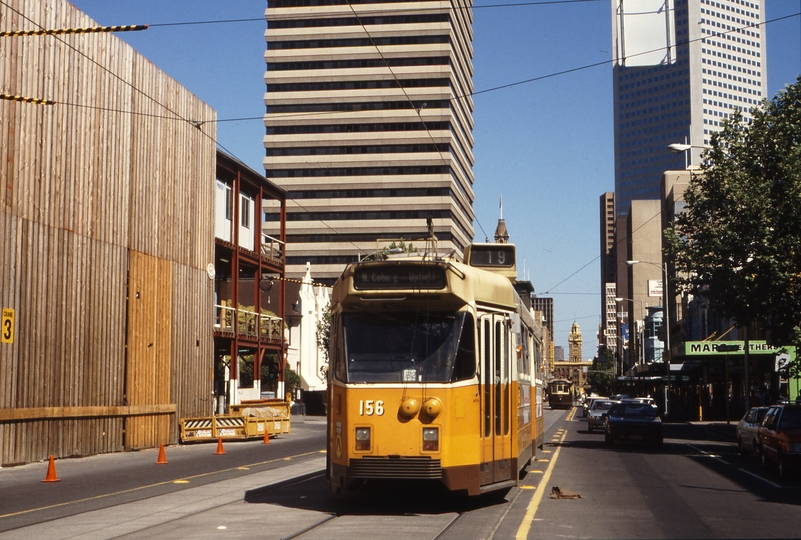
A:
[(681, 66)]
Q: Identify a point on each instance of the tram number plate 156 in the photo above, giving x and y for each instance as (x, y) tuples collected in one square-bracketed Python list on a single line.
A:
[(368, 407)]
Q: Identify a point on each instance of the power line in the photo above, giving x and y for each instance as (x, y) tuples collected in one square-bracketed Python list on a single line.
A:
[(195, 123), (472, 94), (298, 17)]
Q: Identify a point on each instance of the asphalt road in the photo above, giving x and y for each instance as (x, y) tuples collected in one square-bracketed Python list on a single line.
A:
[(695, 486)]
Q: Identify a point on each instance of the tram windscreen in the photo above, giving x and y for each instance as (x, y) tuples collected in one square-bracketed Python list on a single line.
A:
[(409, 348)]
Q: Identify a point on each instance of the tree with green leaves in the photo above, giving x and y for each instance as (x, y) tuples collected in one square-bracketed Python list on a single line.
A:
[(738, 242), (323, 332), (601, 375)]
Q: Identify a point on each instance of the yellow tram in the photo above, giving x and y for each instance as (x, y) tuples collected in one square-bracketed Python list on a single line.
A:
[(434, 373)]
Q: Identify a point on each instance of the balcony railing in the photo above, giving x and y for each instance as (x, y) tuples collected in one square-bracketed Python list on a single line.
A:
[(250, 323), (272, 248)]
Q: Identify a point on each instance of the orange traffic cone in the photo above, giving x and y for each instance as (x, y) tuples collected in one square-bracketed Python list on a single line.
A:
[(162, 456), (51, 472), (266, 436), (220, 450)]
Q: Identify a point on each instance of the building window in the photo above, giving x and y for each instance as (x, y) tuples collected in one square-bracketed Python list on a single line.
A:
[(245, 212), (229, 203)]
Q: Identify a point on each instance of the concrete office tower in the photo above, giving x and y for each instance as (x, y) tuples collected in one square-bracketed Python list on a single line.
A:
[(608, 330), (681, 66), (369, 125), (545, 306)]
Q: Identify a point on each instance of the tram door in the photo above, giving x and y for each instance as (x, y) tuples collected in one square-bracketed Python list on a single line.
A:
[(496, 445)]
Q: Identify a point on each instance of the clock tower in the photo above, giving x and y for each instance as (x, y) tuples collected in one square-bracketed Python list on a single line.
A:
[(574, 342), (573, 368)]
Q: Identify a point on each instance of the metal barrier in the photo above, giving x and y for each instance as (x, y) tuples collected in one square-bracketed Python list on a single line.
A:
[(246, 421)]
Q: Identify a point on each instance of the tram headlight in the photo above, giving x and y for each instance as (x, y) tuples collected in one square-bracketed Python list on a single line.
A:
[(431, 439), (409, 407), (432, 407), (363, 438)]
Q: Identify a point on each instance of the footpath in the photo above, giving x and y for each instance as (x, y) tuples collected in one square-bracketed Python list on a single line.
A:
[(197, 512)]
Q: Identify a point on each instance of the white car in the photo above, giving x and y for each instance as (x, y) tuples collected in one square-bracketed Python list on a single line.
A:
[(747, 438), (595, 416)]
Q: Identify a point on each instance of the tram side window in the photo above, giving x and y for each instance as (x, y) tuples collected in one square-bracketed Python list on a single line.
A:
[(465, 365), (486, 366), (337, 348), (522, 356), (498, 375)]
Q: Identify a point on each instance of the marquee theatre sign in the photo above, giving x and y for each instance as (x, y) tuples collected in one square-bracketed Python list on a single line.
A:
[(782, 354)]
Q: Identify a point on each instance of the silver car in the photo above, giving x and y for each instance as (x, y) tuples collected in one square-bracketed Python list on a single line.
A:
[(595, 416), (747, 428)]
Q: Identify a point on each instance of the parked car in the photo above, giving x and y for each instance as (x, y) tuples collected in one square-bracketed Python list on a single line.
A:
[(780, 438), (641, 399), (633, 420), (595, 416), (588, 403), (747, 438)]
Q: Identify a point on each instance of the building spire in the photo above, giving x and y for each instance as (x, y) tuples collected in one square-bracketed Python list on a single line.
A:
[(501, 234)]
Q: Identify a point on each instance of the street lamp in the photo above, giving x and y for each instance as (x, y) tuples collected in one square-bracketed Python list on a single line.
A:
[(667, 353), (679, 148)]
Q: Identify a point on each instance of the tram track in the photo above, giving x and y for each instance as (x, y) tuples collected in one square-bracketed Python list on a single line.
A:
[(332, 526), (374, 511)]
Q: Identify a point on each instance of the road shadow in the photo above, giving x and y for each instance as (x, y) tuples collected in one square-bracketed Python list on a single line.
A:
[(372, 498), (713, 446)]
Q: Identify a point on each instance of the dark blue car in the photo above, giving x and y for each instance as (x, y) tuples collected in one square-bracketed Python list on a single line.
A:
[(632, 420)]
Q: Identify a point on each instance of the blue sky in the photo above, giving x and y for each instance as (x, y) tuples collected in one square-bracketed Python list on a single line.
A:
[(545, 146)]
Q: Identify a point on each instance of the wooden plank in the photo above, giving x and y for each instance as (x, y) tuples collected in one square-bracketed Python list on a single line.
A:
[(86, 183), (46, 413)]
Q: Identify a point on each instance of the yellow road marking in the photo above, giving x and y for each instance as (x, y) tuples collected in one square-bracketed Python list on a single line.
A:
[(531, 511)]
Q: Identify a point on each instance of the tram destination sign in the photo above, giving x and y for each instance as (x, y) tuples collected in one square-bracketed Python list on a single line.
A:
[(498, 255), (399, 277)]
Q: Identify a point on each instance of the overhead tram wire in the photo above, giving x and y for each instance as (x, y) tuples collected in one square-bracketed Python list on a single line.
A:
[(398, 82), (195, 123), (198, 123), (541, 77), (646, 222), (488, 90), (300, 17)]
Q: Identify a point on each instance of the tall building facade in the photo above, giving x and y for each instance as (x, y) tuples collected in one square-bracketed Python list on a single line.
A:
[(608, 330), (369, 125), (545, 305), (681, 67)]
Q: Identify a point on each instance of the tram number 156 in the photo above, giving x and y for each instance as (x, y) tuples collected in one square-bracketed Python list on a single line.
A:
[(369, 407)]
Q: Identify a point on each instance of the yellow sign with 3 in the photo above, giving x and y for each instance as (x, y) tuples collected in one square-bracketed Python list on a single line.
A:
[(7, 326)]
